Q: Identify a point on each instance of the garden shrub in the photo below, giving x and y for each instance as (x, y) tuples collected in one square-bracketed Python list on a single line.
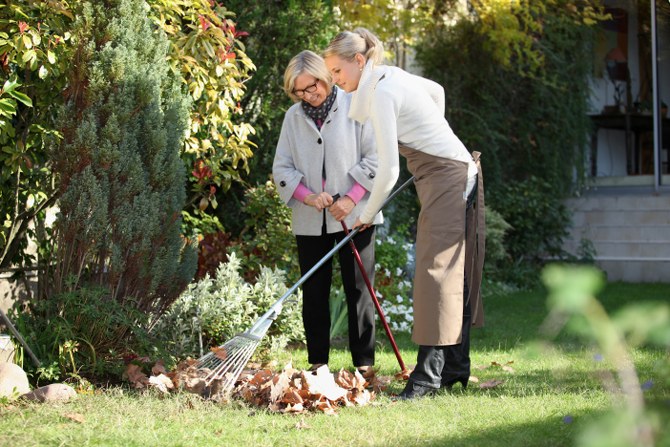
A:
[(82, 333), (214, 309), (122, 180)]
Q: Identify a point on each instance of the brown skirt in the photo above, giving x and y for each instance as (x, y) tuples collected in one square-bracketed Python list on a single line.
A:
[(441, 257)]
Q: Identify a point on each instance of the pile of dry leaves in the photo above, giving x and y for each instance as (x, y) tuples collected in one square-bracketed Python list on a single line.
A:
[(287, 391)]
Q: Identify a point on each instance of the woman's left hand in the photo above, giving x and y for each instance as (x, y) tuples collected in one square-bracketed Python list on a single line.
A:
[(363, 226), (341, 208)]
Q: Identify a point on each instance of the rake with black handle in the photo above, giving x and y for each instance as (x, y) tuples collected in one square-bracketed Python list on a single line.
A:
[(225, 363)]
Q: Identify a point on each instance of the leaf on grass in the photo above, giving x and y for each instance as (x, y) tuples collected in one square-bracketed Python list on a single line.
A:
[(325, 406), (302, 425), (493, 383), (322, 382), (75, 417), (404, 374), (280, 383), (292, 396), (162, 382), (474, 379), (158, 368), (297, 408), (360, 397), (135, 376)]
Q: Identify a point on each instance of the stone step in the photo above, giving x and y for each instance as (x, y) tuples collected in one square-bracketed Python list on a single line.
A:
[(621, 218), (629, 233), (620, 203)]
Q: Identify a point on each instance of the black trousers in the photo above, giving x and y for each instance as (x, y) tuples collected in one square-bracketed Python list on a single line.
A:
[(443, 365), (316, 294)]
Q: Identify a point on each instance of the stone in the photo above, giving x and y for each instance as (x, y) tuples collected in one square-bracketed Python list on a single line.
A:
[(56, 392), (13, 380)]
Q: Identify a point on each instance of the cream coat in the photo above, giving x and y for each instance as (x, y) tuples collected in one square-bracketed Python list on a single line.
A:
[(346, 149)]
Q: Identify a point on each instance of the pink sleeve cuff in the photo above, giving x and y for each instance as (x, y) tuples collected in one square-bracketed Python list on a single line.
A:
[(356, 192), (301, 192)]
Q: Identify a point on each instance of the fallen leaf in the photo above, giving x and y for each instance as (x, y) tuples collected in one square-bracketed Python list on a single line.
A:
[(219, 352), (75, 417), (162, 382), (291, 396), (158, 368), (474, 379), (280, 383), (493, 383), (302, 425), (404, 374), (322, 382), (134, 375)]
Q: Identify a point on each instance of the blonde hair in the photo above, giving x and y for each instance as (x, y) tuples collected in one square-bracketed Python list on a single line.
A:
[(348, 44), (310, 63)]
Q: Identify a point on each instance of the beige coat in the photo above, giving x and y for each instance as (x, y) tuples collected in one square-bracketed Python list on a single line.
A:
[(441, 249)]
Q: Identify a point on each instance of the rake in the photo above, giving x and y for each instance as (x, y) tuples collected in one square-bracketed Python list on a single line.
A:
[(373, 295), (225, 362)]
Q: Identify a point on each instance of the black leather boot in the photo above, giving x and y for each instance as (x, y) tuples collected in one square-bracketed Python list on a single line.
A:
[(414, 390)]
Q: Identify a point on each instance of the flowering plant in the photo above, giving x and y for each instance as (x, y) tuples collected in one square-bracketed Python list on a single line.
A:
[(394, 269)]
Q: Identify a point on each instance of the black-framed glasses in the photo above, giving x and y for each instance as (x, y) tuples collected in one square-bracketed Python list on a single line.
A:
[(309, 89)]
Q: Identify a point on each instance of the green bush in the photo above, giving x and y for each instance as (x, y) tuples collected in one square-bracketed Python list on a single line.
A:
[(214, 309), (267, 238), (82, 333)]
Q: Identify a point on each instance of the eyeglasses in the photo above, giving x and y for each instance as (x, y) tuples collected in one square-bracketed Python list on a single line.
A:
[(309, 89)]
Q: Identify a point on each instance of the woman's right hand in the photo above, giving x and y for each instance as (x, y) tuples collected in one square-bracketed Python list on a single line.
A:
[(319, 201)]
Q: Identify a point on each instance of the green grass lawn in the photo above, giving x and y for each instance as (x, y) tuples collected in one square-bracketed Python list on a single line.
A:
[(548, 398)]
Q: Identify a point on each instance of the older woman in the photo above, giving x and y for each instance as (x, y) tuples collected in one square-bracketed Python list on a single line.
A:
[(322, 153), (407, 114)]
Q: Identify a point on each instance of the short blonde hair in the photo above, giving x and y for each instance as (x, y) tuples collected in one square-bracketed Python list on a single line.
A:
[(348, 44), (310, 63)]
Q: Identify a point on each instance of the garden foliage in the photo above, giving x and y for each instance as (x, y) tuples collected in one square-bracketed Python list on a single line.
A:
[(220, 306), (206, 49), (34, 59), (121, 177)]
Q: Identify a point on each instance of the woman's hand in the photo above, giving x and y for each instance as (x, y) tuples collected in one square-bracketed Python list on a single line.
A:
[(360, 224), (341, 208), (319, 201)]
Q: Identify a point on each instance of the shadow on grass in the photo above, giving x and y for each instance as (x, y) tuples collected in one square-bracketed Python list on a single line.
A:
[(553, 431)]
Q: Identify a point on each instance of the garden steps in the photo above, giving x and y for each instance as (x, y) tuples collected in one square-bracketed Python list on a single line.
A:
[(630, 233)]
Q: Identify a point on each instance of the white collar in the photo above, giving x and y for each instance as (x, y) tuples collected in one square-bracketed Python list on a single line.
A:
[(362, 97)]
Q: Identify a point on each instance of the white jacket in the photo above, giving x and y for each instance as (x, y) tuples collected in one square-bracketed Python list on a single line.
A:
[(346, 149)]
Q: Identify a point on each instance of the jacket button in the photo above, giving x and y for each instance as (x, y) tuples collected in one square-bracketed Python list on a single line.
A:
[(282, 183), (319, 141), (371, 175)]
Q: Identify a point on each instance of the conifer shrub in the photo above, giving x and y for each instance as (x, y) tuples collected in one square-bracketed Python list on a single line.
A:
[(121, 177)]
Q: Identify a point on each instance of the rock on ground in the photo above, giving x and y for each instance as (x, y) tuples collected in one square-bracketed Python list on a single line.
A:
[(56, 392), (13, 380)]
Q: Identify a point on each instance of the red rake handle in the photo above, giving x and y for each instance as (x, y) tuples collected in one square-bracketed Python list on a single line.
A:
[(373, 295)]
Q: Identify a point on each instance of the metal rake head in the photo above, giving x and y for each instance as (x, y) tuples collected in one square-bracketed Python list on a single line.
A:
[(225, 363)]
